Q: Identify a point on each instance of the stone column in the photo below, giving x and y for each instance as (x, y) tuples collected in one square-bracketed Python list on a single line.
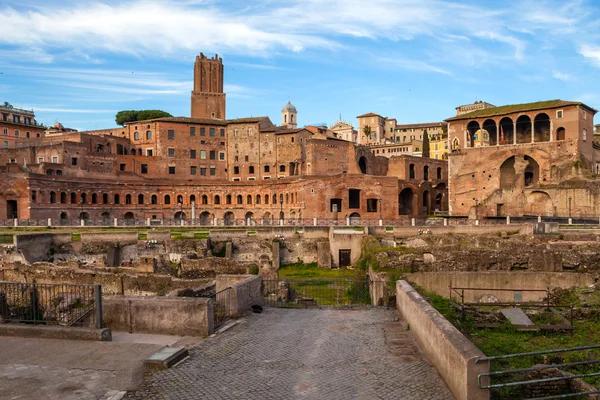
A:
[(15, 222), (551, 131), (532, 131), (497, 135), (228, 249), (49, 221), (445, 221), (315, 221), (193, 211), (514, 133), (148, 221), (412, 222), (116, 221), (82, 222), (507, 220)]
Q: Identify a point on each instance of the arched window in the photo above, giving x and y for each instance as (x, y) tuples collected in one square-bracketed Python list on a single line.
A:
[(249, 199), (274, 199), (52, 197), (104, 198), (239, 199), (411, 171), (287, 198), (426, 173), (257, 199), (154, 199), (179, 199), (58, 172), (217, 199), (167, 199), (73, 198), (94, 198), (292, 118), (228, 199), (63, 197), (439, 173), (83, 198), (49, 172), (140, 198), (117, 199), (128, 199), (192, 199), (204, 199)]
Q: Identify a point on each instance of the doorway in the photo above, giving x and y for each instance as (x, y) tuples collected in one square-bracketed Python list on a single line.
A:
[(344, 258), (11, 209)]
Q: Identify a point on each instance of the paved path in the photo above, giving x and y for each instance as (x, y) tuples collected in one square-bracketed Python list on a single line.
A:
[(303, 354), (52, 369)]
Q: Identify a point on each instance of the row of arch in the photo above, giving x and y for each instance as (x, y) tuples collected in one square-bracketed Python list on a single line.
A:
[(507, 131), (104, 198), (409, 205), (426, 172)]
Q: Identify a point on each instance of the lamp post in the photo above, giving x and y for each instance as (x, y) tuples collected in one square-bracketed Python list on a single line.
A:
[(569, 206), (180, 204), (380, 207), (81, 214), (476, 210)]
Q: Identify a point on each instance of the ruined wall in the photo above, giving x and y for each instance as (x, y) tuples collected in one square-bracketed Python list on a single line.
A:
[(210, 267)]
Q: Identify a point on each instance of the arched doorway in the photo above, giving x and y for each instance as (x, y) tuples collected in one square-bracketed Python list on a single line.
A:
[(490, 126), (561, 133), (506, 131), (355, 219), (267, 218), (539, 204), (425, 208), (129, 218), (228, 218), (249, 218), (472, 128), (105, 216), (179, 215), (205, 218), (405, 202), (541, 126), (63, 218), (507, 173), (523, 129), (362, 164)]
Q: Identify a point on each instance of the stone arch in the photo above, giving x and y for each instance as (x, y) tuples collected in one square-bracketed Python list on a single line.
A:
[(506, 131), (426, 203), (249, 199), (490, 126), (507, 173), (105, 215), (257, 201), (116, 199), (354, 218), (274, 198), (49, 171), (179, 215), (228, 218), (541, 125), (205, 218), (129, 216), (104, 198), (64, 216), (523, 126), (472, 128), (561, 133), (204, 199), (128, 199), (362, 164), (531, 174), (455, 144), (539, 204), (228, 199), (405, 202), (239, 199), (249, 218)]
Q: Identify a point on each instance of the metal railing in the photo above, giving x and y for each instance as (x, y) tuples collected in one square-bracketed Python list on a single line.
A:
[(51, 304), (223, 306), (487, 376)]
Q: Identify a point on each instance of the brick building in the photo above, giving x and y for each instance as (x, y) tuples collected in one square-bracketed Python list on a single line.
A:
[(18, 125), (213, 171), (533, 159)]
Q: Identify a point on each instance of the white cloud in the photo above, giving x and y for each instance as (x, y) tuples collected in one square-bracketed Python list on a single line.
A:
[(562, 76), (412, 65), (592, 53)]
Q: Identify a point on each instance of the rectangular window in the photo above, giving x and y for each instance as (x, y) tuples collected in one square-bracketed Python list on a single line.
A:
[(559, 113), (222, 132), (74, 161), (13, 160), (148, 152), (40, 159), (203, 154), (584, 114), (585, 135), (372, 205), (222, 156), (246, 158), (213, 171), (55, 159), (193, 154), (213, 155), (144, 169), (236, 158), (212, 131), (171, 134), (27, 134), (136, 136), (17, 132), (354, 198), (192, 131), (192, 170), (202, 171), (5, 131), (335, 205), (236, 170), (148, 135), (171, 170), (122, 167), (171, 152), (282, 168), (202, 131)]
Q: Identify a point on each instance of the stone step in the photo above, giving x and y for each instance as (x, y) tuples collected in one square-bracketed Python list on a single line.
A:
[(166, 357)]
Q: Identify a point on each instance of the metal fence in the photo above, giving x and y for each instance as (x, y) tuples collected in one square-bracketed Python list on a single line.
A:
[(318, 293), (512, 382), (223, 306), (51, 304)]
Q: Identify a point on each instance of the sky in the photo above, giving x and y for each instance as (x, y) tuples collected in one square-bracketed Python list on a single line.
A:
[(80, 62)]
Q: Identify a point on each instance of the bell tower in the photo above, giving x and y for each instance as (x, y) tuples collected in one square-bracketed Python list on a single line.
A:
[(289, 116), (208, 99)]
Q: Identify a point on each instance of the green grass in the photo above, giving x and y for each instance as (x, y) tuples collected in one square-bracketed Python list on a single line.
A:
[(142, 236), (76, 237), (303, 271), (6, 238)]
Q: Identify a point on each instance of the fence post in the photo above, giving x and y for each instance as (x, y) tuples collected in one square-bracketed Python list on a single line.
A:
[(476, 222), (82, 222), (116, 222), (507, 220), (315, 221), (98, 299), (49, 221), (570, 221), (445, 221), (15, 222), (380, 222), (148, 221), (412, 222), (347, 221), (539, 218)]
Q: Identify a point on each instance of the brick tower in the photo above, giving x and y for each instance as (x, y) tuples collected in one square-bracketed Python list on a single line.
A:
[(208, 99)]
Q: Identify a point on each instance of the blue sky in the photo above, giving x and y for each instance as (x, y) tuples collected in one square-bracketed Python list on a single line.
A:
[(80, 62)]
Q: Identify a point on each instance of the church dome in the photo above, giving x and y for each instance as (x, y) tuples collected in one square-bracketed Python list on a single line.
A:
[(289, 108)]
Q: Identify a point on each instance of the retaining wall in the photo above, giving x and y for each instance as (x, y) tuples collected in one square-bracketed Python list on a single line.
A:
[(184, 316), (36, 246), (452, 354), (246, 291), (438, 282)]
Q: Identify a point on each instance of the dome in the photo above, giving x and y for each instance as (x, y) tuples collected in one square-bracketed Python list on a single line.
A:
[(289, 108)]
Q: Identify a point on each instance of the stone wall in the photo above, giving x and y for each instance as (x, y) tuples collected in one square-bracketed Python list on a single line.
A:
[(452, 354), (210, 267), (438, 282), (184, 316), (38, 246), (246, 291)]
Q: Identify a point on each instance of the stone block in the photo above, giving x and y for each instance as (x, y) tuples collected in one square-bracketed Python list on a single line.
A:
[(323, 255)]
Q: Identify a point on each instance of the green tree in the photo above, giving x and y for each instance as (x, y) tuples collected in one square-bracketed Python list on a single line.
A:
[(425, 153), (126, 116), (367, 131)]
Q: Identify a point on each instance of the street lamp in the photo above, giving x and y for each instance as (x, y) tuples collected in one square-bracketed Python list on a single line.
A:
[(569, 206), (476, 210), (380, 207), (81, 204), (281, 204), (180, 204)]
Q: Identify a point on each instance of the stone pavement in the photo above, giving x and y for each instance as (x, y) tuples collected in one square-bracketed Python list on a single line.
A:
[(303, 354), (70, 369)]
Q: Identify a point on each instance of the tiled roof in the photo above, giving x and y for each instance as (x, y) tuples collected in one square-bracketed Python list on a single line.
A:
[(246, 120), (509, 109), (369, 115), (423, 125), (185, 120)]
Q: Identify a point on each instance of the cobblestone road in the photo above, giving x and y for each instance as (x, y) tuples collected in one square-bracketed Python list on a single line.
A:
[(303, 354)]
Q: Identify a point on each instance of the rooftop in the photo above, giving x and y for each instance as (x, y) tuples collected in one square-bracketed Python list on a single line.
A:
[(185, 120), (421, 125), (370, 114), (513, 108)]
